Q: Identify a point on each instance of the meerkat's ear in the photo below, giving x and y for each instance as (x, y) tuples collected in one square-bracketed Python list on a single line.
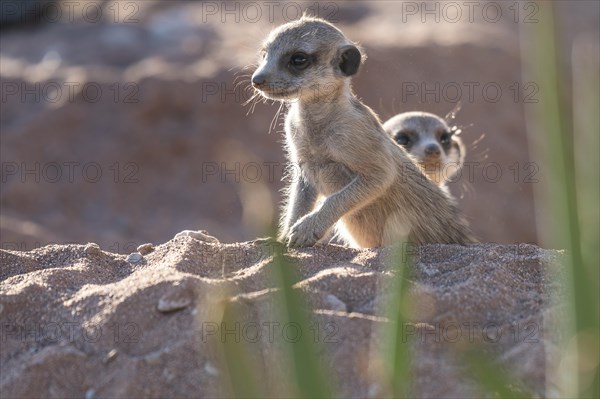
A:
[(349, 59)]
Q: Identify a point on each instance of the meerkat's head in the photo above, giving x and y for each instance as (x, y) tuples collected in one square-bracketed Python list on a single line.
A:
[(308, 59), (430, 140)]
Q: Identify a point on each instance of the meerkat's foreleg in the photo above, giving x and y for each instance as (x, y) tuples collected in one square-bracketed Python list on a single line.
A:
[(302, 197), (359, 192)]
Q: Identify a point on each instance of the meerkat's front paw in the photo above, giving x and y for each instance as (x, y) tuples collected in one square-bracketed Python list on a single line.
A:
[(306, 232)]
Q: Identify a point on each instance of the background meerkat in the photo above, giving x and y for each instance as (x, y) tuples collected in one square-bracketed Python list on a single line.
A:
[(373, 191), (428, 138)]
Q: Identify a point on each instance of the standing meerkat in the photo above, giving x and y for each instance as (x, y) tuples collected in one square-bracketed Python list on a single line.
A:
[(428, 138), (374, 193)]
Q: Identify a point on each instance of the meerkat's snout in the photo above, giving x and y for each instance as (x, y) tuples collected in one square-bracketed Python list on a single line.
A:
[(432, 151), (258, 79)]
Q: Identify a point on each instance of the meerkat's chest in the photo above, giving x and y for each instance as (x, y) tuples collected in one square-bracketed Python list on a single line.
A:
[(311, 152)]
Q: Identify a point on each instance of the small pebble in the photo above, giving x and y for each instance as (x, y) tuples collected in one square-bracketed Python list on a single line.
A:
[(110, 356), (89, 394), (167, 305), (175, 300), (92, 249), (134, 257), (145, 249)]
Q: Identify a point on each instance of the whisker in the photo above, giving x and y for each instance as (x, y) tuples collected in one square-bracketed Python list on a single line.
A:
[(478, 140), (241, 78), (250, 99), (241, 82), (275, 118), (452, 114), (257, 99)]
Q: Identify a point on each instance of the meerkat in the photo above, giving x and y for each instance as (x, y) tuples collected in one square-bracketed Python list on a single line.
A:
[(435, 145), (375, 195)]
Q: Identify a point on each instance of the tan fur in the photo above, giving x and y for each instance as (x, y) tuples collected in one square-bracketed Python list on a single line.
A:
[(420, 130), (373, 190)]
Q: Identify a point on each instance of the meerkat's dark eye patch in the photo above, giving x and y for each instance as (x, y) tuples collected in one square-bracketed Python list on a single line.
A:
[(402, 138), (299, 61), (445, 138)]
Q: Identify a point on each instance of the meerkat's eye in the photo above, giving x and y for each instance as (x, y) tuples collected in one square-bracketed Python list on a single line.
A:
[(402, 139), (299, 60), (445, 138)]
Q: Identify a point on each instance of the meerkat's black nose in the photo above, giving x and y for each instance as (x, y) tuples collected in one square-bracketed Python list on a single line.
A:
[(432, 150), (258, 80)]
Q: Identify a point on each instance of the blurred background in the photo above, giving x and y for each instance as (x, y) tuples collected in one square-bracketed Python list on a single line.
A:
[(123, 122)]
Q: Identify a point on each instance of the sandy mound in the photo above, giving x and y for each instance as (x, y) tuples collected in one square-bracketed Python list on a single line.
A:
[(78, 321)]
